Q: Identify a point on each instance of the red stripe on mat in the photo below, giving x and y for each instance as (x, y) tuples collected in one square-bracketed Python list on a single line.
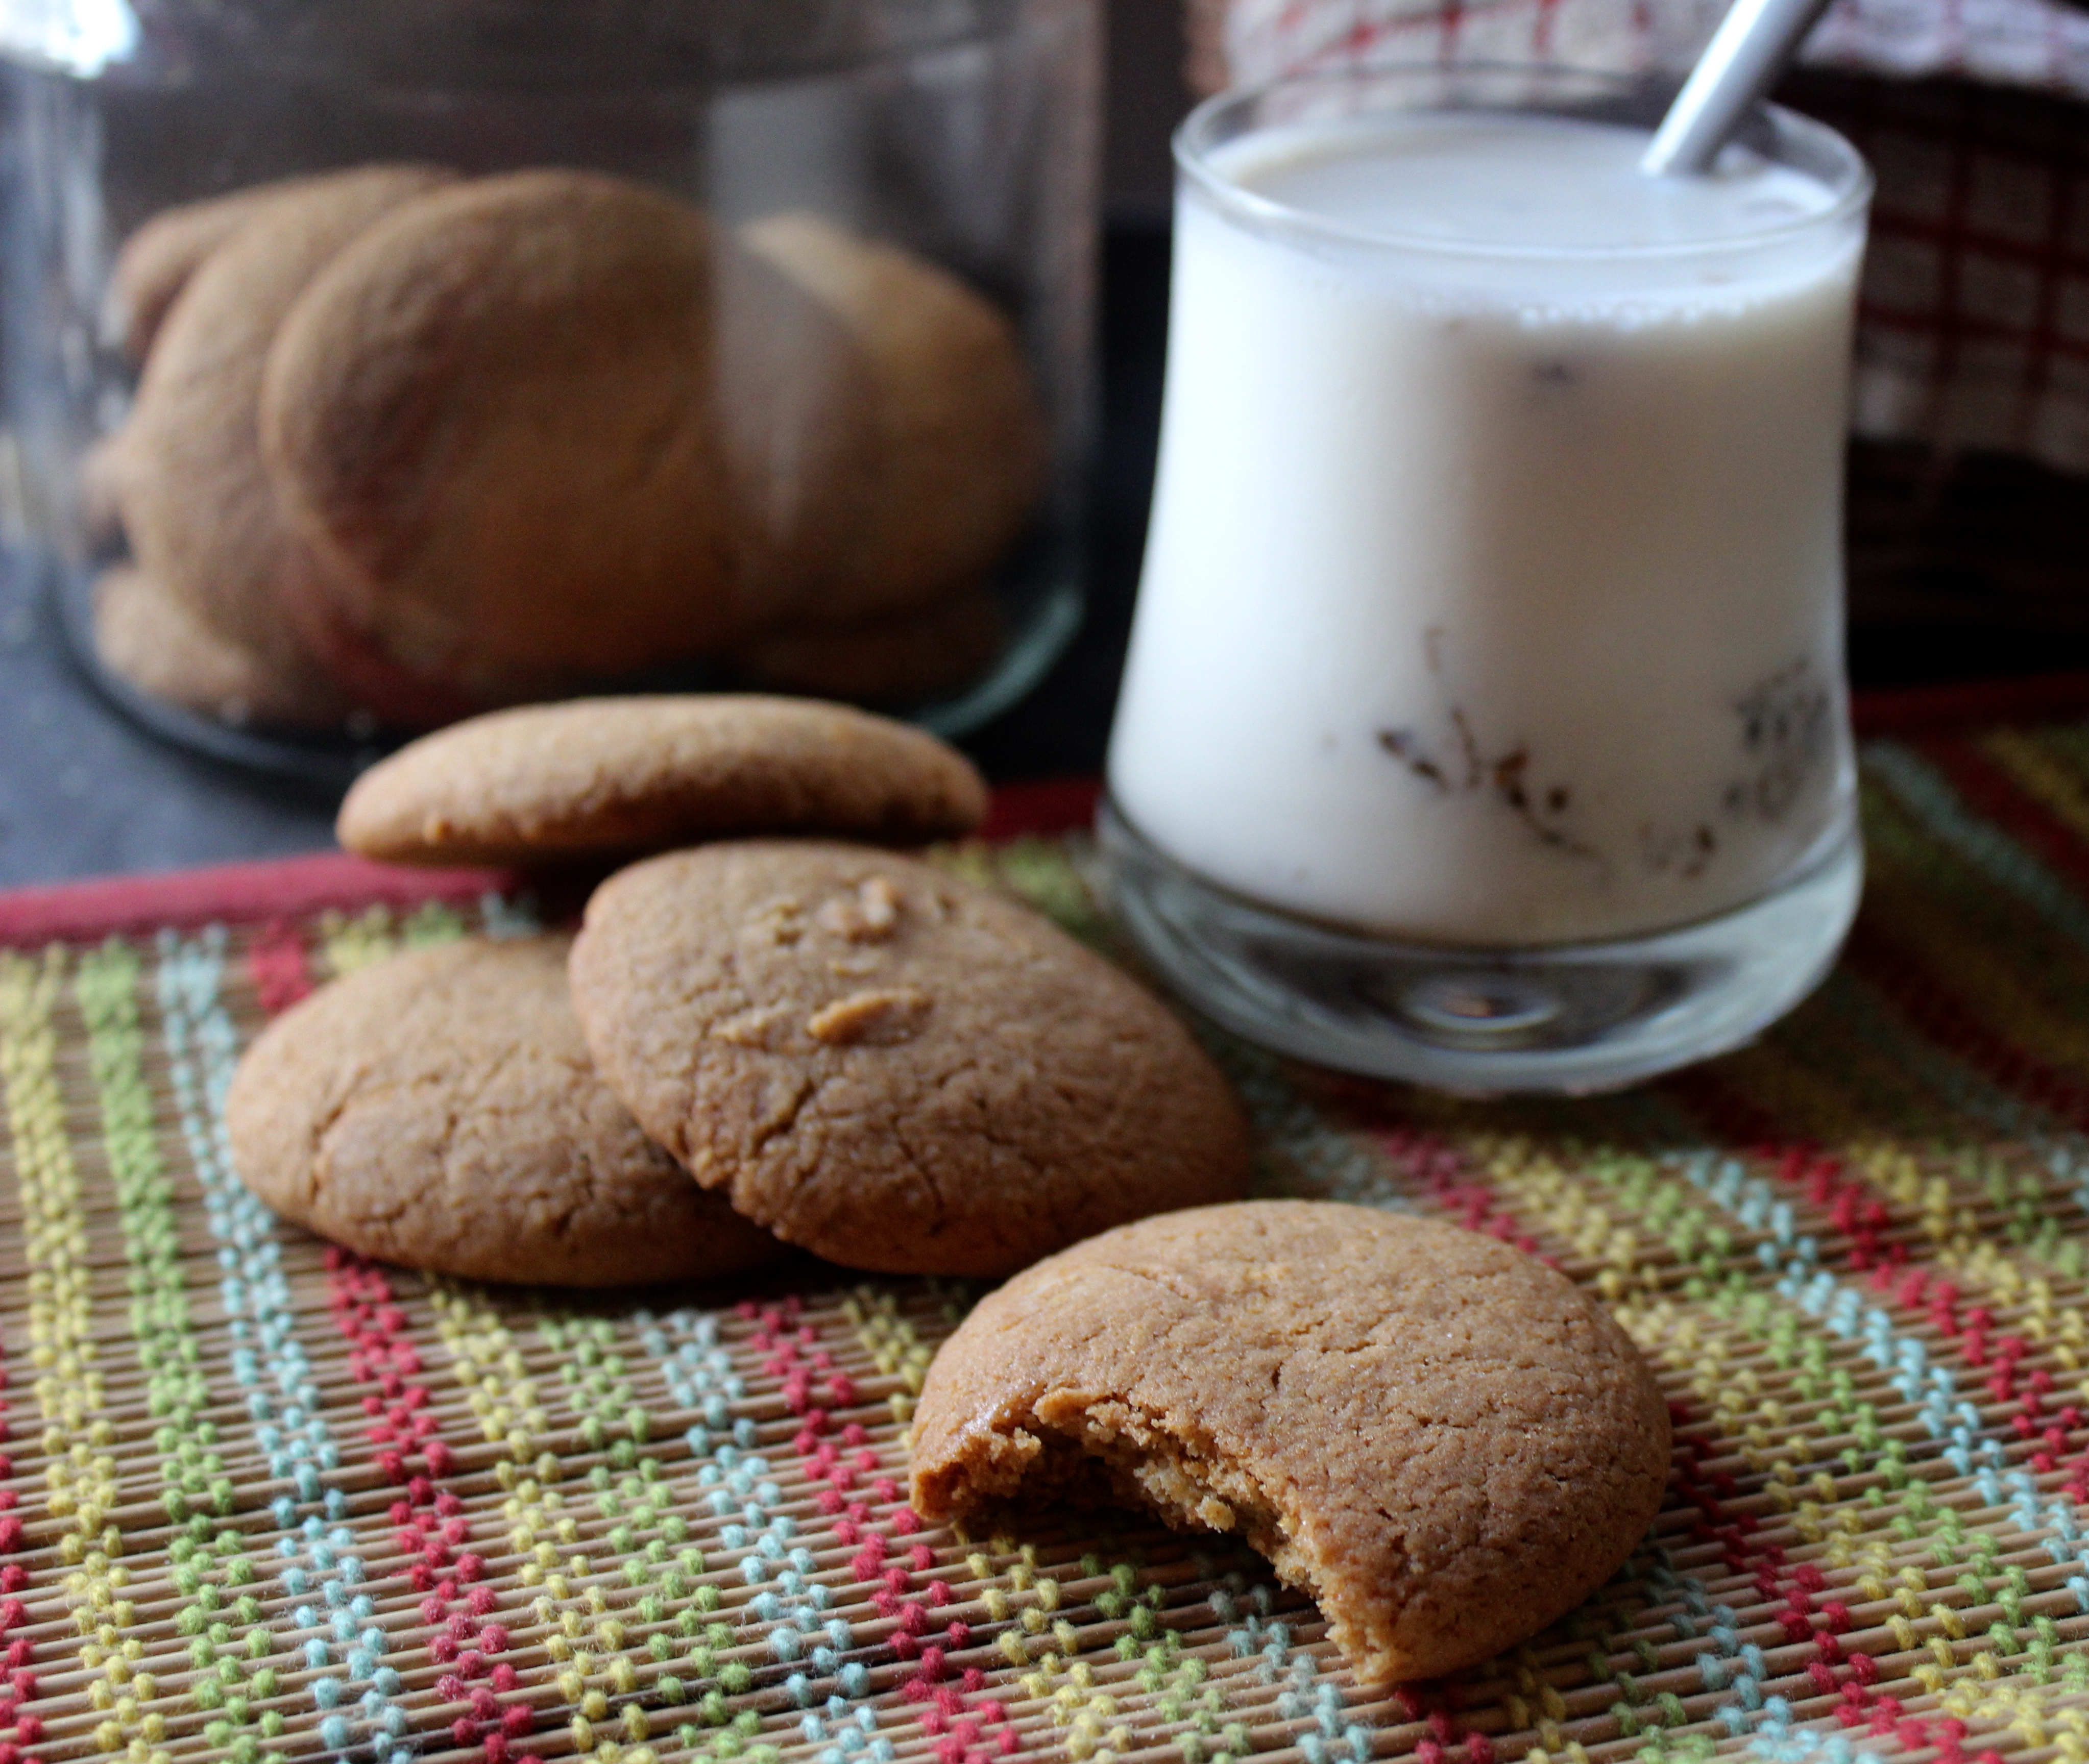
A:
[(282, 886), (1940, 709), (293, 887), (1048, 806)]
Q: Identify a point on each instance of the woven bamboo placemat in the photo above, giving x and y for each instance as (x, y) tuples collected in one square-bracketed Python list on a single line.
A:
[(259, 1498)]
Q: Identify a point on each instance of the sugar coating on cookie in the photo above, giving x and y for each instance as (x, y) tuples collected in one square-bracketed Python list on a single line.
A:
[(896, 1069), (1444, 1441), (623, 775), (439, 1110)]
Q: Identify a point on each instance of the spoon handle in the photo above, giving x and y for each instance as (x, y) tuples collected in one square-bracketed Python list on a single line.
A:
[(1754, 42)]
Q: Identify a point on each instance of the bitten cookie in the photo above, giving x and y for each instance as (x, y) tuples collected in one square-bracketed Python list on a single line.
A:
[(552, 426), (905, 658), (439, 1110), (1446, 1443), (621, 775), (146, 637), (197, 503), (898, 1070), (960, 459)]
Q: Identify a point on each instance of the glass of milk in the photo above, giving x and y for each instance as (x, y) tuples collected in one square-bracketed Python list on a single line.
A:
[(1486, 722)]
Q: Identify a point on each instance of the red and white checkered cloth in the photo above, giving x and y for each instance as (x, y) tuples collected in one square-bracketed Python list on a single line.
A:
[(1974, 114)]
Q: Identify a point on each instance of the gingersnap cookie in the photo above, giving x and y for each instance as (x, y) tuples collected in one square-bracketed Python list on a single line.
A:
[(157, 260), (197, 503), (439, 1110), (1446, 1443), (904, 658), (959, 458), (149, 640), (620, 775), (551, 427), (896, 1069)]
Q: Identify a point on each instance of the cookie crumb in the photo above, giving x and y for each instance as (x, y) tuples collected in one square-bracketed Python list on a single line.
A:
[(781, 923), (752, 1029), (881, 1017), (870, 915)]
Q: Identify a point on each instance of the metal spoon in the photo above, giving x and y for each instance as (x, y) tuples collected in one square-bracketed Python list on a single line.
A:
[(1754, 44)]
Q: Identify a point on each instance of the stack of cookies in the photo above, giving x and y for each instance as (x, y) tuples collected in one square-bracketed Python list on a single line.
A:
[(785, 1031), (410, 445), (778, 1028)]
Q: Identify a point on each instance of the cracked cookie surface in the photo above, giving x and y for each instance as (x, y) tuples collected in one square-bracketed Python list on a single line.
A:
[(1445, 1442), (439, 1110), (894, 1068), (624, 776)]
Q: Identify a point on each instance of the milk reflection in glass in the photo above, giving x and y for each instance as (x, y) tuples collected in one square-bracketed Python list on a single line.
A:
[(1494, 591)]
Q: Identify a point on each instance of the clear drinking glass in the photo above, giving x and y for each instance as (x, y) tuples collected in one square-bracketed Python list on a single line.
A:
[(1485, 721), (897, 367)]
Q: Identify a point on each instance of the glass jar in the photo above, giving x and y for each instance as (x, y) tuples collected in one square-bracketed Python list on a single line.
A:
[(369, 363)]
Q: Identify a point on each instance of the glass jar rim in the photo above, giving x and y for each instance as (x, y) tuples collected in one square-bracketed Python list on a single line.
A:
[(1199, 135), (521, 46)]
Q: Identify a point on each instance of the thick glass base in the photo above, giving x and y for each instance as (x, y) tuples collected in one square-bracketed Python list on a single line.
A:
[(1564, 1020)]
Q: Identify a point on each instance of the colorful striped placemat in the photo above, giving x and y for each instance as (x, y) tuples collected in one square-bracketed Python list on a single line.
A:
[(262, 1499)]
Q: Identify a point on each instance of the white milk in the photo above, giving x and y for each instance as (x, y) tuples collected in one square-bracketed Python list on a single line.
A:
[(1493, 596)]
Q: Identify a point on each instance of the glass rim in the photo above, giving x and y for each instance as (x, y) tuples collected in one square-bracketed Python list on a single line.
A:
[(1192, 147)]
